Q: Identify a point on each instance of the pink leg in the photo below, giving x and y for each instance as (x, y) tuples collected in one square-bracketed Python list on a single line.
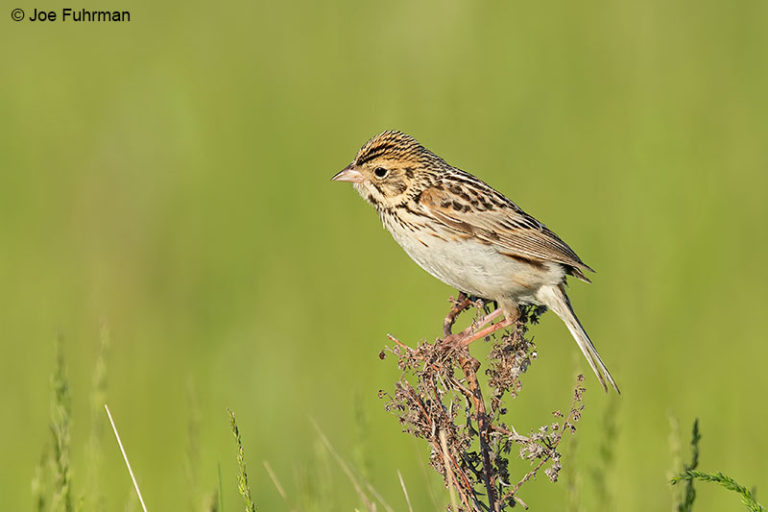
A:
[(482, 333), (459, 337), (488, 318)]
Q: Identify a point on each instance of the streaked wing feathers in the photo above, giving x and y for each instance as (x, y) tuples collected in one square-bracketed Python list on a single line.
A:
[(483, 213)]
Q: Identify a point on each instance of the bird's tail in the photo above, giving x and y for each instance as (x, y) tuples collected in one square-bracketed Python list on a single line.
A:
[(554, 298)]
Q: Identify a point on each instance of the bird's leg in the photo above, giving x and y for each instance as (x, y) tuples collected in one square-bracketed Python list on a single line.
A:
[(487, 318), (509, 319), (459, 338), (462, 302), (482, 333)]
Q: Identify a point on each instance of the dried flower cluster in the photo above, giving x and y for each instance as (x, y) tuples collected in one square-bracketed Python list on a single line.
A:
[(440, 399)]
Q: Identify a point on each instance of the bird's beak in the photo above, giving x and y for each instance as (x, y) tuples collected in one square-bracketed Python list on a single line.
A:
[(349, 173)]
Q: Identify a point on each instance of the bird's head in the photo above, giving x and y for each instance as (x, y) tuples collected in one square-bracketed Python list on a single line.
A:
[(391, 168)]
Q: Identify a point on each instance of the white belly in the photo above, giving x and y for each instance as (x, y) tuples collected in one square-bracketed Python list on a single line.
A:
[(478, 269)]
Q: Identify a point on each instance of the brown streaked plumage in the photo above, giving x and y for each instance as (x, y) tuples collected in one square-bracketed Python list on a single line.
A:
[(467, 234)]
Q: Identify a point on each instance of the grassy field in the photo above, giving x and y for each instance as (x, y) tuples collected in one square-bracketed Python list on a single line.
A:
[(167, 181)]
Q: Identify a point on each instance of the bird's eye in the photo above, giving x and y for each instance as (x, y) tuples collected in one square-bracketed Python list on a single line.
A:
[(380, 172)]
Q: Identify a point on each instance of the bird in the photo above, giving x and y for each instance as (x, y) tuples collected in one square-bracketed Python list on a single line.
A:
[(468, 235)]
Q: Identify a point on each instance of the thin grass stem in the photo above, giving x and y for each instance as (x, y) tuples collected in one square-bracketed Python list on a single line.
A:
[(125, 458)]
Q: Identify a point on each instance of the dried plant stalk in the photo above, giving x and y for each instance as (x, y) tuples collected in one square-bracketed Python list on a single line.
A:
[(440, 399)]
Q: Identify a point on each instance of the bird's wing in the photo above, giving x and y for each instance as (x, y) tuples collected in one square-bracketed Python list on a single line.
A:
[(472, 209)]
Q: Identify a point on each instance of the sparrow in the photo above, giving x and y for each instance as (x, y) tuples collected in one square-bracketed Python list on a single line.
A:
[(468, 235)]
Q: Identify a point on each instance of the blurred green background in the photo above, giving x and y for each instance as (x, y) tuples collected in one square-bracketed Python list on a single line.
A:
[(169, 178)]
